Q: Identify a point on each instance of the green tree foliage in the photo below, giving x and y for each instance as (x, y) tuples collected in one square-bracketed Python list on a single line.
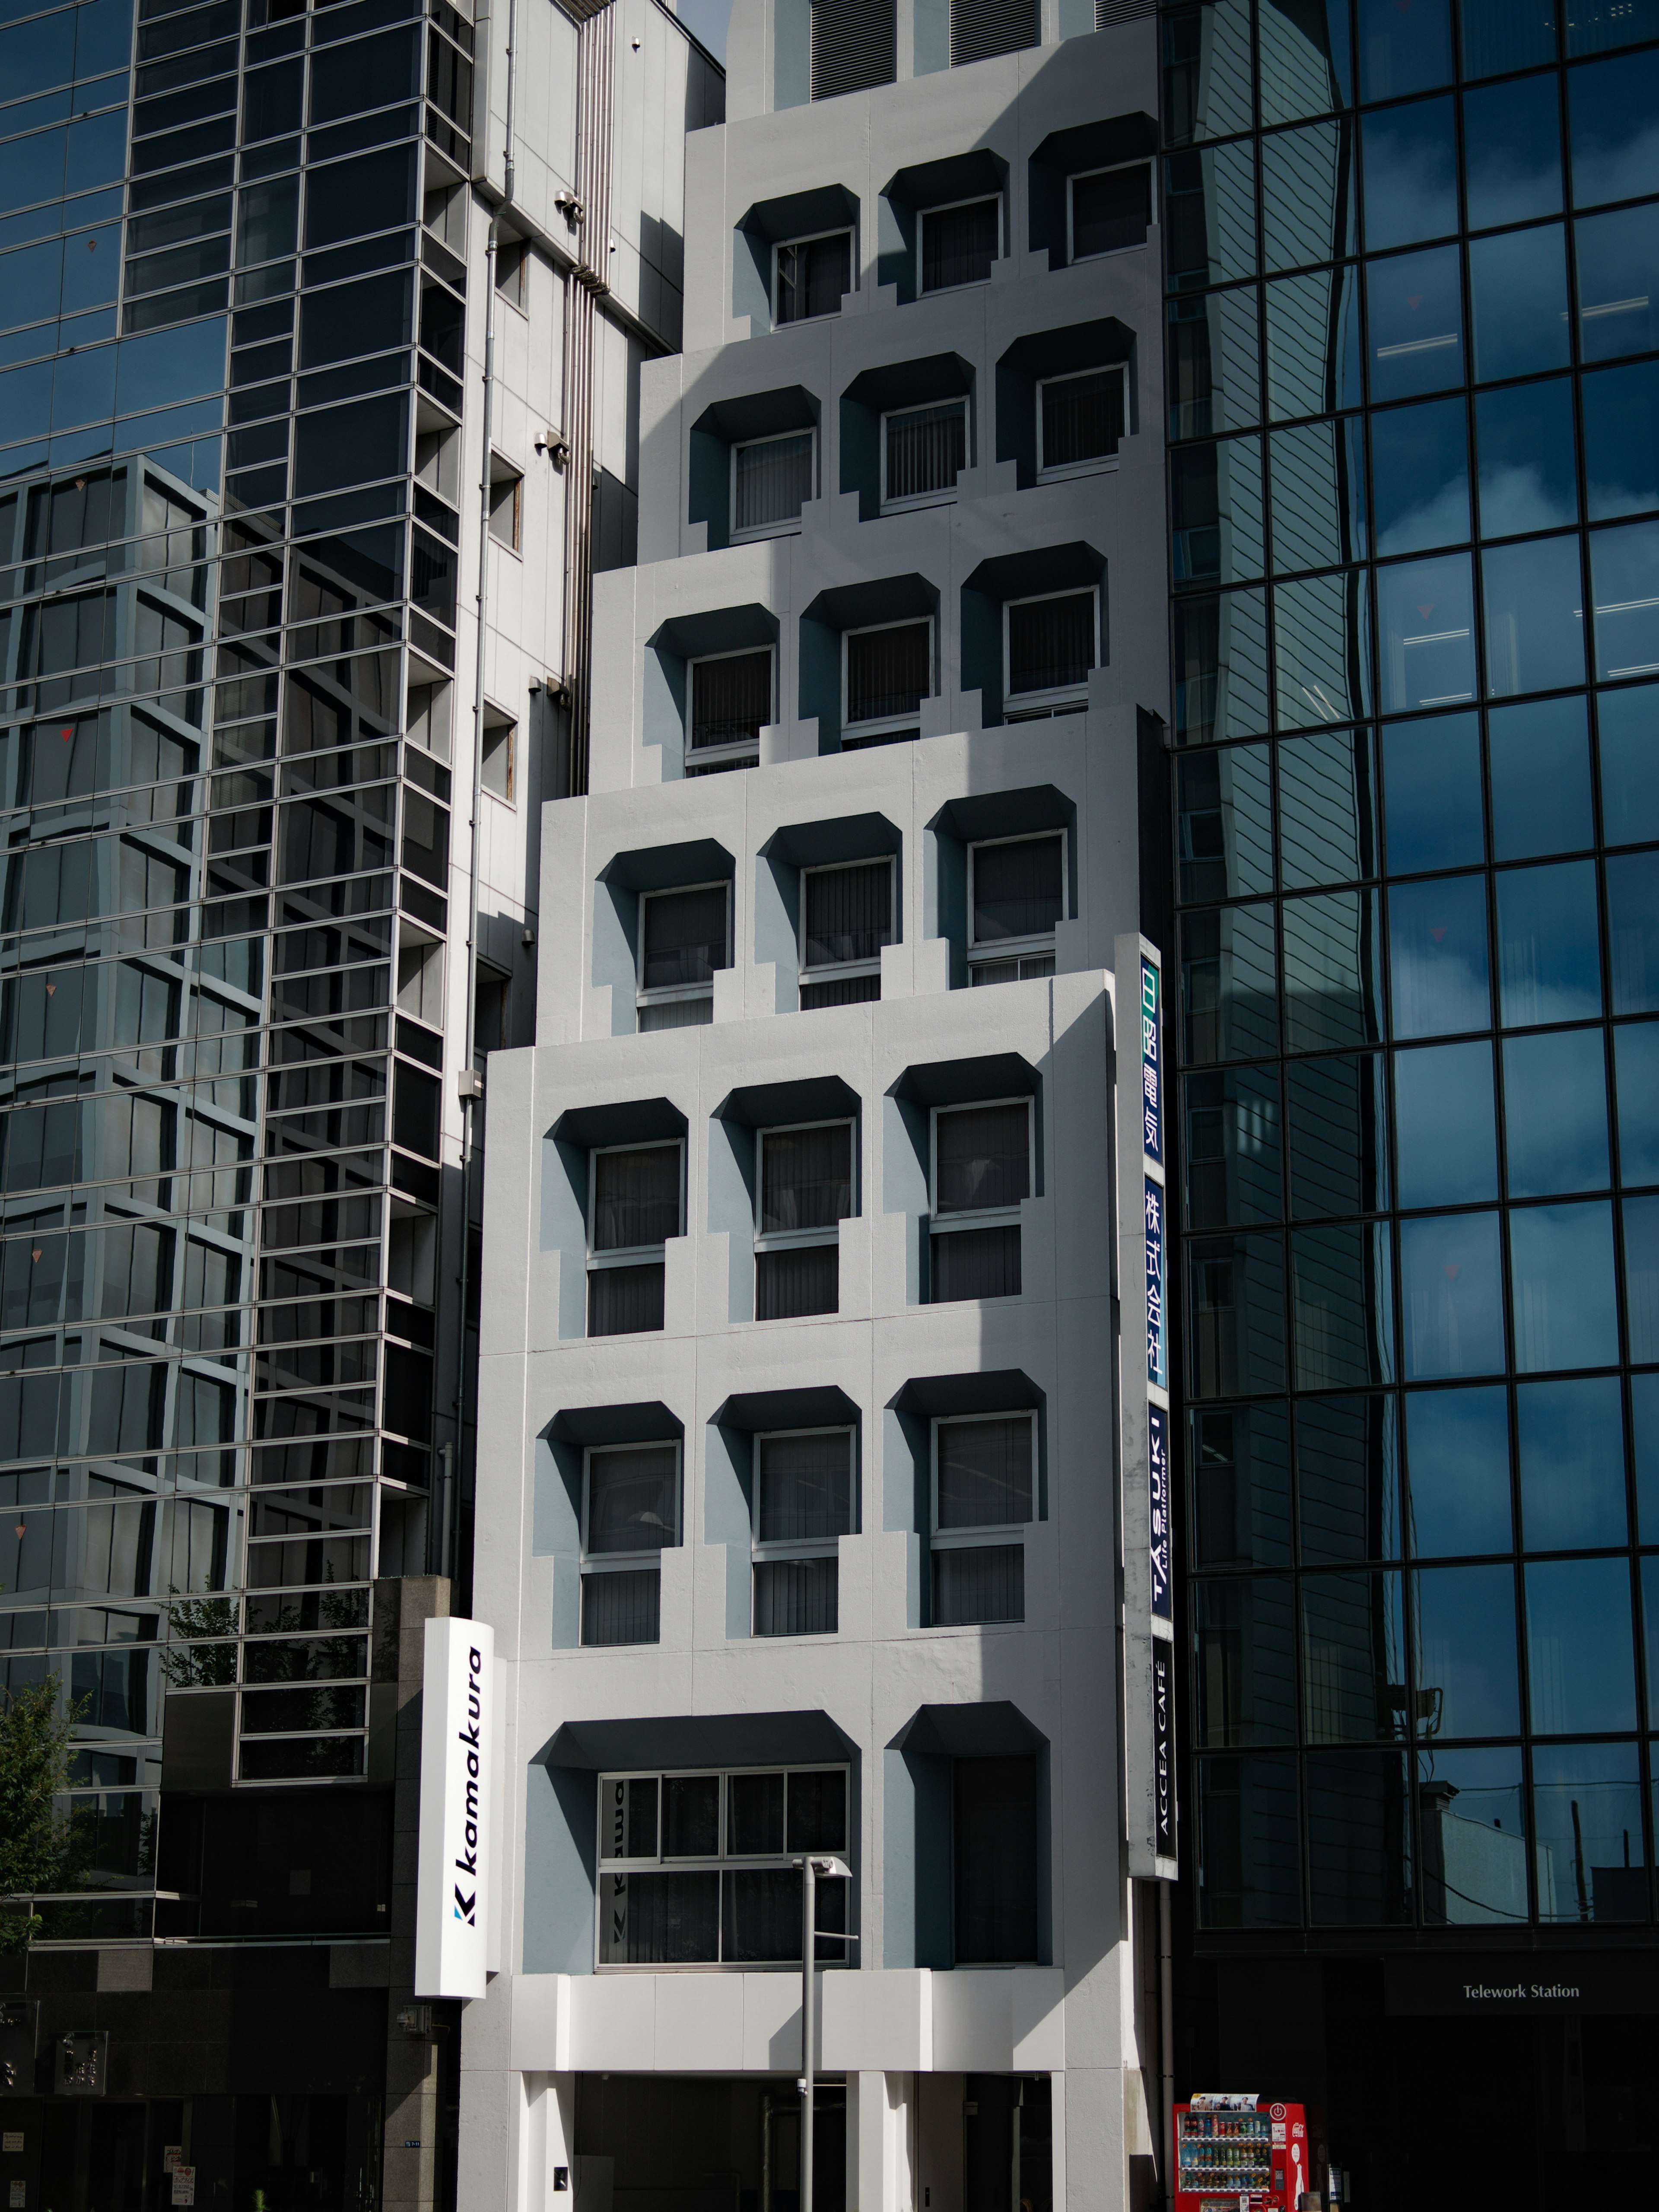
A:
[(38, 1849)]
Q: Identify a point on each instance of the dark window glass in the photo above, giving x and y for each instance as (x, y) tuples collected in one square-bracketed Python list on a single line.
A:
[(1512, 152), (793, 1283), (926, 448), (806, 1488), (985, 1472), (1403, 51), (1555, 1113), (1308, 201), (1250, 1842), (1358, 1838), (1457, 1450), (1314, 357), (773, 478), (1451, 1297), (1472, 1808), (365, 73), (1111, 210), (1244, 1650), (1587, 1820), (684, 937), (1018, 888), (806, 1177), (983, 1158), (621, 1609), (1633, 932), (1082, 417), (1416, 314), (1420, 476), (796, 1597), (817, 1814), (1426, 612), (889, 672), (1645, 1426), (813, 276), (979, 1585), (1051, 643), (1241, 1487), (1445, 1125), (1236, 1325), (631, 1498), (1540, 778), (1307, 58), (1572, 1436), (350, 445), (1347, 1466), (1581, 1665), (959, 243), (1617, 258), (1411, 174), (1621, 441), (1317, 475), (1333, 970), (731, 698), (1518, 292), (622, 1301), (1549, 957), (976, 1263), (1437, 948), (849, 912), (1235, 1170), (1209, 207), (1629, 765), (1612, 104), (1498, 36), (1467, 1681), (1432, 780), (1353, 1657), (1342, 1305), (636, 1197), (348, 200), (1225, 827), (352, 319), (1635, 1050), (1561, 1285), (1215, 364), (994, 1818), (754, 1816)]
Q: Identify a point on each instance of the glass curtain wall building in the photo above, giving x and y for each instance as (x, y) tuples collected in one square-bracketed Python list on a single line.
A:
[(1412, 269), (244, 287)]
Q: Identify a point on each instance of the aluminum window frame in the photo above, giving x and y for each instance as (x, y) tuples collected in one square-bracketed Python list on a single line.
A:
[(988, 1532), (1064, 472), (849, 232), (878, 725), (987, 952), (980, 1217), (1056, 697), (806, 1547), (826, 970), (999, 200), (740, 749), (1106, 170), (908, 504), (629, 1256), (754, 532), (665, 994), (643, 1561), (798, 1240)]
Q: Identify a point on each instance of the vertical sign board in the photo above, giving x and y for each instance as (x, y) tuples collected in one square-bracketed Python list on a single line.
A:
[(1144, 1247), (459, 1794)]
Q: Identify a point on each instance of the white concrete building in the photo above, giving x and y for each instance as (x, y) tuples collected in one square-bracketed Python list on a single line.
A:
[(805, 1413)]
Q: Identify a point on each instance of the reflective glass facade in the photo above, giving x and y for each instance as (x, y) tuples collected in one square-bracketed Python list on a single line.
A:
[(1412, 300)]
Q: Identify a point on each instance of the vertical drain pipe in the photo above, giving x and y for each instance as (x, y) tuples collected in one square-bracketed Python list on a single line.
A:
[(471, 1087)]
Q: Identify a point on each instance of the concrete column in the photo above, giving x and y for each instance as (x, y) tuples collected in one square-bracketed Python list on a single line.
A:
[(879, 2162)]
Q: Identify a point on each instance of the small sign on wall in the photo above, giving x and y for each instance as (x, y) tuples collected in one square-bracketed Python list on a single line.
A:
[(12, 2140), (17, 2196), (457, 1802), (183, 2184), (171, 2154)]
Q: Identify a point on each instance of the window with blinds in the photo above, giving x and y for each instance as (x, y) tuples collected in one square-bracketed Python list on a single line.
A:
[(993, 1820), (854, 46), (1016, 895), (980, 28), (805, 1193), (812, 274), (634, 1207), (959, 243), (1051, 643), (984, 1485), (803, 1504), (889, 671), (731, 699), (923, 451), (847, 917), (772, 479), (1110, 208), (630, 1514), (684, 937), (981, 1171), (1082, 419)]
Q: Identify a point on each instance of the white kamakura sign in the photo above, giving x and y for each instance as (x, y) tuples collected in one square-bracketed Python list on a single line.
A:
[(458, 1797)]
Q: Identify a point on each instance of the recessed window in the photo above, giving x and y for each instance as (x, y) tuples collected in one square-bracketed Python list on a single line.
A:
[(771, 480), (959, 243), (496, 771), (506, 511), (1110, 208), (635, 1203), (846, 916), (1052, 644), (1081, 419), (984, 1480), (630, 1516), (923, 449), (806, 1191), (684, 937), (889, 672), (421, 979), (695, 1867), (981, 1171), (732, 698), (1017, 893), (803, 1504), (813, 274), (512, 263)]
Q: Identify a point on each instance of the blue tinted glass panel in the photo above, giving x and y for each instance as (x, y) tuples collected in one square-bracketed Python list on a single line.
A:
[(1518, 296), (1339, 1141), (1628, 723), (1621, 440), (1528, 458), (1420, 476), (1580, 1657), (1353, 1647), (1471, 1810), (1535, 617), (1633, 932), (1228, 977), (1587, 1825), (1512, 152), (1571, 1437), (1467, 1682), (1431, 794), (38, 54), (1235, 1171), (1243, 1629), (1561, 1284), (1540, 778), (1348, 1480), (1251, 1842), (1416, 311), (1235, 1316), (1307, 196), (1457, 1453), (1307, 58), (1615, 149), (1358, 1838), (1410, 155), (1644, 1423), (1549, 953), (1314, 348), (1403, 50), (1555, 1113), (1437, 952), (1500, 35), (1451, 1297), (1342, 1305), (1651, 1627), (1636, 1072), (1594, 27), (1642, 1278), (1241, 1487), (1444, 1125), (1625, 574), (1425, 623), (1617, 283)]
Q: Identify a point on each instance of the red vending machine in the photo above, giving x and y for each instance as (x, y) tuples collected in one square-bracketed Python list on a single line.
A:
[(1236, 2152)]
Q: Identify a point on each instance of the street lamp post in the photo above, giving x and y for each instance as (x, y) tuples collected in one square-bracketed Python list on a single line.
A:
[(811, 1870)]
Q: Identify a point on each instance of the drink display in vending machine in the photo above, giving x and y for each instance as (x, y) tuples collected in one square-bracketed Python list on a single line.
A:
[(1236, 2152)]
